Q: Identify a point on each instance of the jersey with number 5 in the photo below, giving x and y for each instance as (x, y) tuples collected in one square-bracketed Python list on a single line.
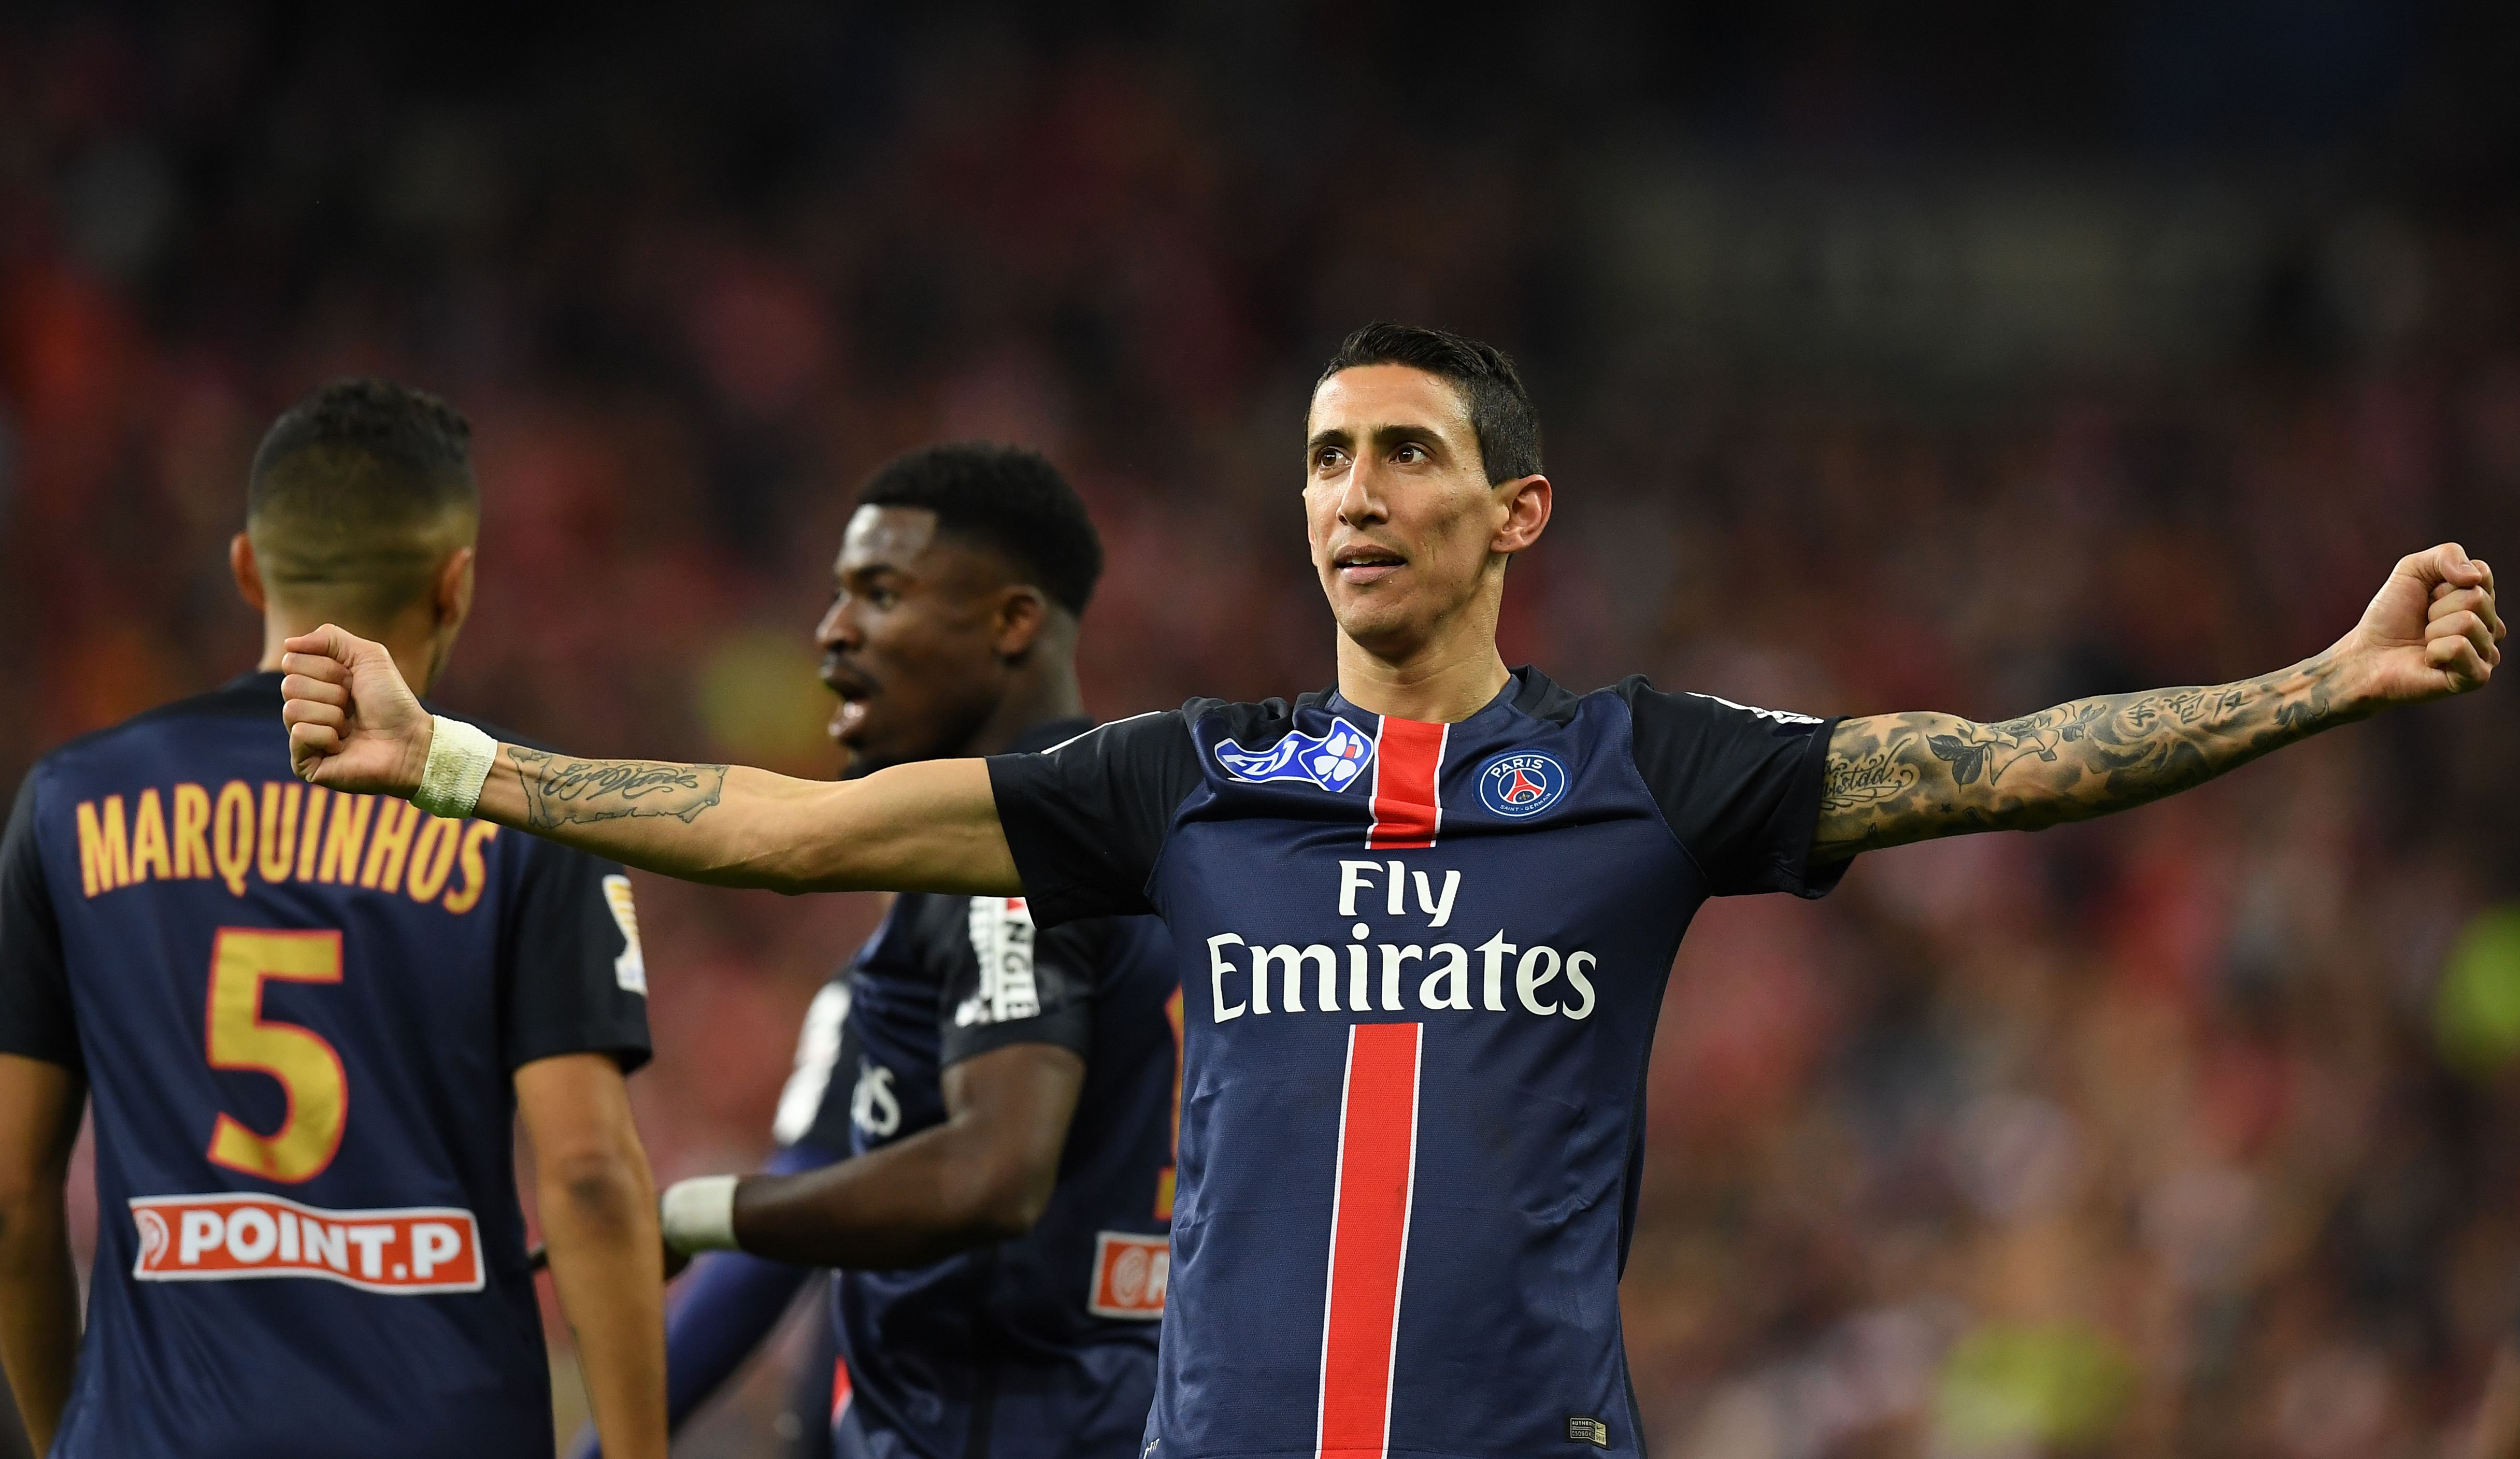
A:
[(297, 1014)]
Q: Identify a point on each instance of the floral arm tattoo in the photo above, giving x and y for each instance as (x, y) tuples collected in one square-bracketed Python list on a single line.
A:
[(1898, 778), (559, 790)]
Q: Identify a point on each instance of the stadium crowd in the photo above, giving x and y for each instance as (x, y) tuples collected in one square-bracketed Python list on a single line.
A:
[(2165, 1135)]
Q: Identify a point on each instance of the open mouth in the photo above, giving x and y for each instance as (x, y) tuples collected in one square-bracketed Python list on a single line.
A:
[(1364, 562), (854, 690)]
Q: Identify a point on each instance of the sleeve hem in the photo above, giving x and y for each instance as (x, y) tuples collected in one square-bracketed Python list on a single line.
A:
[(62, 1058), (1053, 899), (630, 1055), (1796, 874), (1073, 1033)]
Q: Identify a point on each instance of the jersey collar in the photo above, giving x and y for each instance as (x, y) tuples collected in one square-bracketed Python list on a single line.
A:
[(1526, 689)]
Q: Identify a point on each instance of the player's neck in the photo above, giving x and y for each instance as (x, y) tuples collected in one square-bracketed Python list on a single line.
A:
[(419, 655), (1442, 683), (1033, 699)]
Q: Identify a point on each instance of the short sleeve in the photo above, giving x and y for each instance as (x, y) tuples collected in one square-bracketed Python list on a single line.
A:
[(1018, 983), (576, 977), (1087, 819), (36, 1017), (1739, 786)]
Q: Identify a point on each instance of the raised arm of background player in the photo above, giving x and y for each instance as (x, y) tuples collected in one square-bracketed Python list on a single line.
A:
[(2431, 631)]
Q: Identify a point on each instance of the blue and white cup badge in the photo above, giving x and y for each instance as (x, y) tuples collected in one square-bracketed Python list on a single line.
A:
[(1331, 762), (1521, 783)]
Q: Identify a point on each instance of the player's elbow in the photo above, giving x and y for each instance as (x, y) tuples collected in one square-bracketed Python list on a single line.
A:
[(1007, 1201), (30, 1201), (598, 1189)]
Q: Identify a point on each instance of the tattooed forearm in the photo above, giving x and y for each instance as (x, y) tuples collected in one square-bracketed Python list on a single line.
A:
[(1897, 778), (559, 790)]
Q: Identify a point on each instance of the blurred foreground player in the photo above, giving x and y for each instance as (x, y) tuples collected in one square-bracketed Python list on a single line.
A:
[(1002, 1098), (308, 1022), (1424, 920)]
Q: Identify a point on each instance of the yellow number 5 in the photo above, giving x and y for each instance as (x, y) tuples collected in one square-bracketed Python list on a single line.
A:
[(308, 1070)]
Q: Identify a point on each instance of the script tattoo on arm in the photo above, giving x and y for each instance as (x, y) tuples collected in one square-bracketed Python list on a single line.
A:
[(559, 790), (1898, 778)]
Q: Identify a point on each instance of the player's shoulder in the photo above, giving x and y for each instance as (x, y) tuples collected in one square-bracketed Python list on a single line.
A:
[(1697, 710), (1248, 722), (247, 698)]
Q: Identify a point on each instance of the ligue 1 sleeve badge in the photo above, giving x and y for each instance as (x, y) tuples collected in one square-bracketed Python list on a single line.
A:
[(1521, 784)]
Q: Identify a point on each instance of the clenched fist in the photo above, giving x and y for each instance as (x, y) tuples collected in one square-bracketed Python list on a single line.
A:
[(353, 723), (2431, 631)]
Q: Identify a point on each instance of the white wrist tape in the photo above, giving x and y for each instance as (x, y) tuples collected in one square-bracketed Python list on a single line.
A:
[(698, 1215), (459, 762)]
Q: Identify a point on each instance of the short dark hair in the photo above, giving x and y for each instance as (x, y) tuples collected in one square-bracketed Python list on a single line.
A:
[(1005, 498), (353, 489), (389, 447), (1499, 408)]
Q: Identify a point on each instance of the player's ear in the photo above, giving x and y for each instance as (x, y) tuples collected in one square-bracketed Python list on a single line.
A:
[(451, 595), (1527, 502), (248, 571), (1022, 615)]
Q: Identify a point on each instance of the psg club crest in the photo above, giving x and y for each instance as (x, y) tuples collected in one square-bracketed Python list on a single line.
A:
[(1331, 762), (1521, 783)]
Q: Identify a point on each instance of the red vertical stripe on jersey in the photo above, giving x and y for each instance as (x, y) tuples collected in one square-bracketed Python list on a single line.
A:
[(1369, 1238), (1408, 772), (842, 1391)]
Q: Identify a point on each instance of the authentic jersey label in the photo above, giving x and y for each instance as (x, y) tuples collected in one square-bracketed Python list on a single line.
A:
[(1331, 762), (402, 1253), (1130, 1274), (1521, 783), (1582, 1430), (1001, 938)]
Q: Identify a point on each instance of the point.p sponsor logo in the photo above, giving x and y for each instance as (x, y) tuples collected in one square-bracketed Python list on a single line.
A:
[(405, 1252)]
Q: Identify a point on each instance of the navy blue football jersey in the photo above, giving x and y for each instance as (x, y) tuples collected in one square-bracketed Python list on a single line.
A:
[(1420, 968), (297, 1014), (1043, 1346)]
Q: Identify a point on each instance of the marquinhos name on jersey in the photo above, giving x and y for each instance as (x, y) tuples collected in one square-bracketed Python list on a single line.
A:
[(276, 832)]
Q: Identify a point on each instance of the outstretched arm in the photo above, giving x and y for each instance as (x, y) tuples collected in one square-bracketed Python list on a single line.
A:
[(356, 727), (2432, 631)]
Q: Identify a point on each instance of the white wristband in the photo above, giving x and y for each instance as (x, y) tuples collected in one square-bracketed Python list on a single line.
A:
[(698, 1215), (459, 763)]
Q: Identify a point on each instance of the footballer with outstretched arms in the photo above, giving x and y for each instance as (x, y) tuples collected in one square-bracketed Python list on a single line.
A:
[(992, 1104), (1423, 919), (307, 1021)]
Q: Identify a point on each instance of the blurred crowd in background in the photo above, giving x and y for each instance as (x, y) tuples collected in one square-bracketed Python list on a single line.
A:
[(1908, 357)]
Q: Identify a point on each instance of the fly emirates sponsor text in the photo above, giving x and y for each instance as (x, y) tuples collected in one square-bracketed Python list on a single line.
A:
[(1247, 976)]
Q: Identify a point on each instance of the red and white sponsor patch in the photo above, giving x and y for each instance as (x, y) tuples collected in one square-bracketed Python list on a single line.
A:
[(404, 1251), (1130, 1274)]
